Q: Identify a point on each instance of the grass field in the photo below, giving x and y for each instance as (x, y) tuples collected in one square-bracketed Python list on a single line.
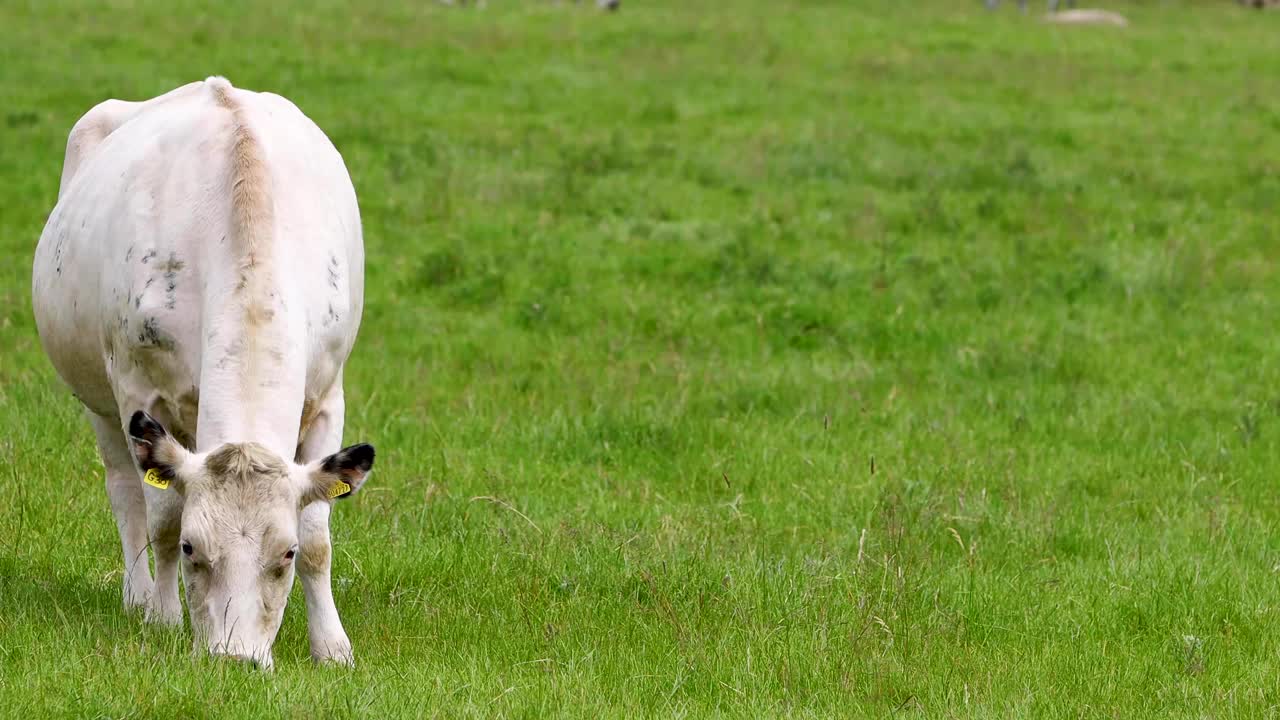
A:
[(738, 358)]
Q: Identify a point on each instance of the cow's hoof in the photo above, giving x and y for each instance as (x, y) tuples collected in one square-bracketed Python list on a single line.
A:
[(336, 652), (137, 593), (343, 658), (166, 616), (134, 602)]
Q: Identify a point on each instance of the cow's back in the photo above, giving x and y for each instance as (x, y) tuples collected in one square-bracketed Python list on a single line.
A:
[(144, 228)]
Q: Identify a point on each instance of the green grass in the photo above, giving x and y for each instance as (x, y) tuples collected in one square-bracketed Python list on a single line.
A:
[(739, 358)]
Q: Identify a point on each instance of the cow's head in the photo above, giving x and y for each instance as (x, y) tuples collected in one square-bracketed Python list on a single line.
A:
[(240, 529)]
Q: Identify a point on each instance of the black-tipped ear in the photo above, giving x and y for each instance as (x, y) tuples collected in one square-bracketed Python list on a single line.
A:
[(343, 473), (153, 446)]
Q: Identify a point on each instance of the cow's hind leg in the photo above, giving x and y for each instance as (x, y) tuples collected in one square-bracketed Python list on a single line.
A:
[(329, 642), (124, 490), (164, 523)]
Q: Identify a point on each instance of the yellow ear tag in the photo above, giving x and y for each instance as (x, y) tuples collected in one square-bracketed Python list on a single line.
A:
[(152, 478), (339, 489)]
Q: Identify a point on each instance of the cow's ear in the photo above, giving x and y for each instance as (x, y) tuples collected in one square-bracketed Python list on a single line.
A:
[(340, 475), (159, 455)]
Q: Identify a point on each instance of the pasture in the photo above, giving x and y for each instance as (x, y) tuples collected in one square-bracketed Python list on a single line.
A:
[(745, 358)]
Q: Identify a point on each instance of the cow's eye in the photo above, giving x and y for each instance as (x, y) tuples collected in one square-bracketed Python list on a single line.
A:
[(187, 549), (289, 555)]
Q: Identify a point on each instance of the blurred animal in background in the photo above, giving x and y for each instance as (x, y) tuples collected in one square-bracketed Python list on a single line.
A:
[(1083, 16), (1087, 17), (610, 5), (1022, 4), (1261, 4)]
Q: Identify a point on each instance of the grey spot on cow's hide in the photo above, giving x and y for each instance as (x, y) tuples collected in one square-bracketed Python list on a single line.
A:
[(152, 336), (171, 267), (334, 271)]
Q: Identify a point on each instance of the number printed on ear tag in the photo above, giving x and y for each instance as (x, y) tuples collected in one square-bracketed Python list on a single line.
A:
[(339, 489), (152, 477)]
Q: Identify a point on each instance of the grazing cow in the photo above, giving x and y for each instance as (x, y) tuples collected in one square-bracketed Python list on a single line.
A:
[(203, 271)]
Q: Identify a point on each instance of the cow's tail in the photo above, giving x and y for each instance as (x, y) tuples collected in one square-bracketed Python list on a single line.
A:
[(252, 209)]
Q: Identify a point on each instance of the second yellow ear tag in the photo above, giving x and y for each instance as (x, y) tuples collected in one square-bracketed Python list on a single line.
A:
[(339, 489), (152, 477)]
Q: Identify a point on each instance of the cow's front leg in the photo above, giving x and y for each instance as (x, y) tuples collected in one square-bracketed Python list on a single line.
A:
[(164, 525), (329, 642)]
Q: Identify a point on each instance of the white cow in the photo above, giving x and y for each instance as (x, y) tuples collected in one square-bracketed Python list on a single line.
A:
[(203, 271)]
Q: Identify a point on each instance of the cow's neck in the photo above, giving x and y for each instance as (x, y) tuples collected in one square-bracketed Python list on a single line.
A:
[(253, 361)]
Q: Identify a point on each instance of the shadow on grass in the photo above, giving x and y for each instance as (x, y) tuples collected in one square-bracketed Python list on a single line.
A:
[(40, 595)]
